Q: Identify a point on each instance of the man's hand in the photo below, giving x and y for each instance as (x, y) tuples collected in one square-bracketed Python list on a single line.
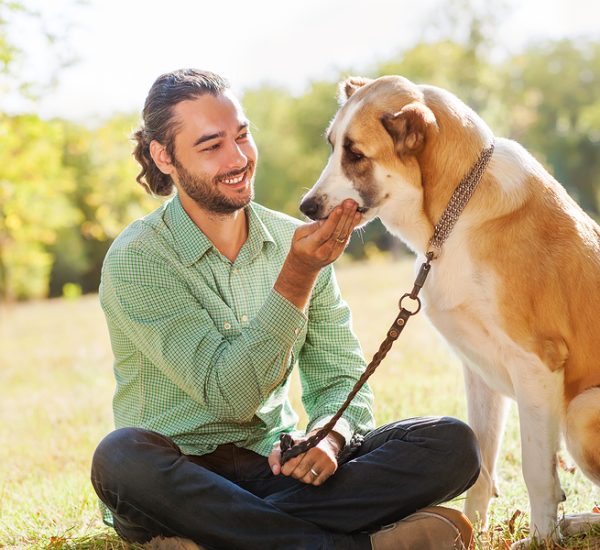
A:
[(320, 243), (314, 246), (312, 467)]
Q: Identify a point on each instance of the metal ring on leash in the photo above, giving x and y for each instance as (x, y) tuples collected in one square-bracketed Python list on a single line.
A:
[(416, 299)]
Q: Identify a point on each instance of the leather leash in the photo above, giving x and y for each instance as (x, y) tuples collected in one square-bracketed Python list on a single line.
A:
[(459, 199)]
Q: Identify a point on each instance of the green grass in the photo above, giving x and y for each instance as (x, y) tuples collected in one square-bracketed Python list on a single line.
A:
[(56, 388)]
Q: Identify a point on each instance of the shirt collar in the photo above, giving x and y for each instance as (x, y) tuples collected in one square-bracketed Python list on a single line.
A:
[(191, 243)]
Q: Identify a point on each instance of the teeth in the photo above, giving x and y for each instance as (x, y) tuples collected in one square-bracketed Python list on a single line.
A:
[(233, 181)]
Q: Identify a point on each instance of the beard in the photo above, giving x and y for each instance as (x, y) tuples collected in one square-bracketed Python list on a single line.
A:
[(205, 192)]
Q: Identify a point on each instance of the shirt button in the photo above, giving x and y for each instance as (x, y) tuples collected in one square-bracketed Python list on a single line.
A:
[(226, 325), (296, 331), (244, 318)]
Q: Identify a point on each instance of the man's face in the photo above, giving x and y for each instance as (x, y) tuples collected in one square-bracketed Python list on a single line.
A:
[(215, 155)]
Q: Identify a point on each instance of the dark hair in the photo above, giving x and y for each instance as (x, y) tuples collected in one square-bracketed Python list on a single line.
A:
[(158, 122)]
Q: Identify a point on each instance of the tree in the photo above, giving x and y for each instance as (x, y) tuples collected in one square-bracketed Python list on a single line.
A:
[(34, 205), (106, 197), (552, 93)]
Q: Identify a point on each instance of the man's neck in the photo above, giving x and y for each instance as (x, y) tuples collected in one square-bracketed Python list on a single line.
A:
[(227, 232)]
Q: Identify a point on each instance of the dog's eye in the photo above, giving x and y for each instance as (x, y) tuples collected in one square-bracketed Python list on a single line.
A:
[(354, 155)]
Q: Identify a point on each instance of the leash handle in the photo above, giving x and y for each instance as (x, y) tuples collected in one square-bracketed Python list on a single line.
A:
[(289, 448)]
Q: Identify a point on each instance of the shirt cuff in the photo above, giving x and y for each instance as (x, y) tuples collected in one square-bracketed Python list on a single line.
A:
[(342, 426), (281, 318)]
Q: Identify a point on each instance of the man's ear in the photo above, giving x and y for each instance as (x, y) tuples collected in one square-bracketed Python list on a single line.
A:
[(349, 86), (408, 127), (161, 157)]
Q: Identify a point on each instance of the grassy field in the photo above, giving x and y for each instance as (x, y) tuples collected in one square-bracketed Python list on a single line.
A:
[(56, 386)]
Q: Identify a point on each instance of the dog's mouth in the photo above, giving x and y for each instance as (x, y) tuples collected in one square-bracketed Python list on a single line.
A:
[(360, 210)]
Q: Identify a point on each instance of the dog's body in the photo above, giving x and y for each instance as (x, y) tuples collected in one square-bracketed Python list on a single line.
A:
[(515, 289)]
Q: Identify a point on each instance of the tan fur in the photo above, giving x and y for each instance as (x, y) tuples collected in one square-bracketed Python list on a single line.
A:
[(516, 288), (550, 301)]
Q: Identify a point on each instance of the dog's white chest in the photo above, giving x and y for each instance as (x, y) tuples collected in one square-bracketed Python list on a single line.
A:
[(460, 301)]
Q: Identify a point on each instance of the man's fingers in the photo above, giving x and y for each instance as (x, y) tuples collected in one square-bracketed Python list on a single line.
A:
[(345, 228), (275, 459), (344, 225), (333, 228), (290, 466), (327, 230), (314, 468)]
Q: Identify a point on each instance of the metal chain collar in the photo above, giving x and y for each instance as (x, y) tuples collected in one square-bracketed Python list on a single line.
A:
[(458, 201)]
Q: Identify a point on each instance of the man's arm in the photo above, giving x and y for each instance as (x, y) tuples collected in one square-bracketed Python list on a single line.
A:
[(330, 363), (154, 309), (315, 245)]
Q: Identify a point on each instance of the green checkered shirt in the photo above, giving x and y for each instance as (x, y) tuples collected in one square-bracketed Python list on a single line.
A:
[(204, 347)]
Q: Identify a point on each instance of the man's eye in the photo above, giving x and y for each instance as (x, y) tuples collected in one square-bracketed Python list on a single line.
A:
[(244, 136), (212, 147)]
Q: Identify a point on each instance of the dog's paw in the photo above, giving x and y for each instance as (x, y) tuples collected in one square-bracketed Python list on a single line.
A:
[(574, 524), (171, 543)]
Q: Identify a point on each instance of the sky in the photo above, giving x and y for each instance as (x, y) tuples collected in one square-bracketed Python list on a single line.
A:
[(123, 45)]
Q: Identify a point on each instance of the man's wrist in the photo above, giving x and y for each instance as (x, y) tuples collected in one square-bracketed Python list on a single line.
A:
[(337, 441), (334, 439), (295, 281)]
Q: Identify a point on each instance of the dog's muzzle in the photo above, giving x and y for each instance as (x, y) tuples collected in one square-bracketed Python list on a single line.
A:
[(312, 207)]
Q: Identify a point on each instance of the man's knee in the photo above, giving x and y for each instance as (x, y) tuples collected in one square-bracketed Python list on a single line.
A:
[(462, 448), (121, 457)]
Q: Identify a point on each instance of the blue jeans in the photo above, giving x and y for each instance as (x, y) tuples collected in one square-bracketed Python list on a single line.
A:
[(230, 499)]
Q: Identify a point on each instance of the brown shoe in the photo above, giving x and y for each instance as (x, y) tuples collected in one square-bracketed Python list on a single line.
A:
[(433, 528)]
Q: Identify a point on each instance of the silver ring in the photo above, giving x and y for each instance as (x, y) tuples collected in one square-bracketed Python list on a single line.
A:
[(314, 472)]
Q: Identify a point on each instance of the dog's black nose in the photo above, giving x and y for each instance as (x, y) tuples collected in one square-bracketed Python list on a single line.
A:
[(310, 207)]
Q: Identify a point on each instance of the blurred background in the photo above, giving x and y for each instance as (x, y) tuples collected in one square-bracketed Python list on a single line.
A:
[(74, 76)]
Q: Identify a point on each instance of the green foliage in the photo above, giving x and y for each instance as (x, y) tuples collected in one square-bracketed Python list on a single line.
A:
[(289, 132), (552, 95), (106, 198), (34, 203), (67, 190)]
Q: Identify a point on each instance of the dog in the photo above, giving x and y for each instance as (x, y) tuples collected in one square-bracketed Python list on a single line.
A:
[(515, 289)]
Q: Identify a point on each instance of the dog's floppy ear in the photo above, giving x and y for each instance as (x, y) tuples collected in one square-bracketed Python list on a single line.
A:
[(349, 86), (408, 127)]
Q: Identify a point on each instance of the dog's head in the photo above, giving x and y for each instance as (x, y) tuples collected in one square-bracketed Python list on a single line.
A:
[(376, 137)]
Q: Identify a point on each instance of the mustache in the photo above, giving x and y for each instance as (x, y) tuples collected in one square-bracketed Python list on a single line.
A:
[(234, 173)]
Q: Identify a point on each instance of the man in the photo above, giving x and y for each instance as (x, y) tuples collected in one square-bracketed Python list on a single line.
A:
[(210, 301)]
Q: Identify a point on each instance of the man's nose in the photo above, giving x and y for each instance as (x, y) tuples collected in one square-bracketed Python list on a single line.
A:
[(237, 157)]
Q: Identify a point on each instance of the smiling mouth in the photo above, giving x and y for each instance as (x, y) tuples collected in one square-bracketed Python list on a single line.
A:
[(234, 180)]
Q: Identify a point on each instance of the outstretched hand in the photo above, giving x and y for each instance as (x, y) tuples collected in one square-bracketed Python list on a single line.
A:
[(320, 243), (314, 246)]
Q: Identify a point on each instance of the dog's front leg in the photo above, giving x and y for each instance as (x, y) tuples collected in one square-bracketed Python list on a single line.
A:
[(487, 416), (539, 398)]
